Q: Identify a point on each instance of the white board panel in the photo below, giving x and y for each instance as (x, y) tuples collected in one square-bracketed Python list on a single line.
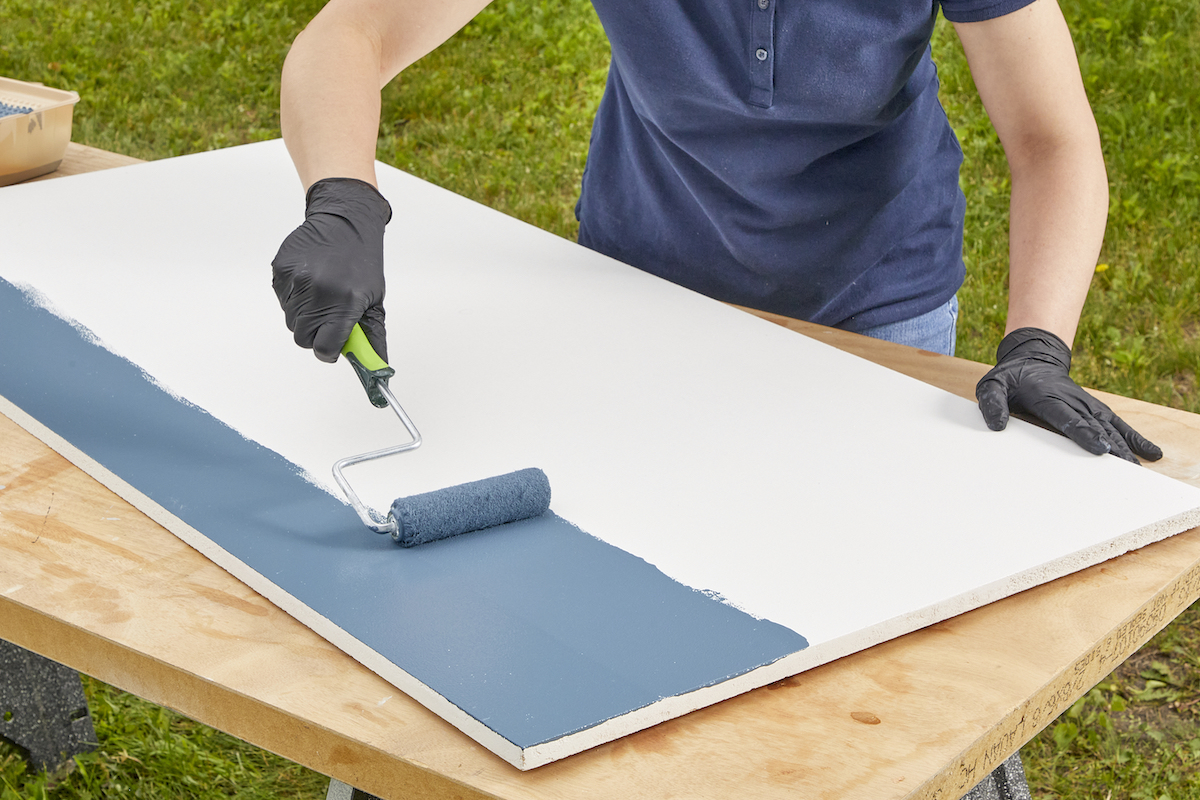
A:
[(801, 484)]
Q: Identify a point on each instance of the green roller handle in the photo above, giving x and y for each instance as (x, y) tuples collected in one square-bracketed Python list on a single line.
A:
[(370, 368)]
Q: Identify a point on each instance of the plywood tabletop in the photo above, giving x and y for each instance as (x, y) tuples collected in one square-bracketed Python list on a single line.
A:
[(80, 158), (91, 582)]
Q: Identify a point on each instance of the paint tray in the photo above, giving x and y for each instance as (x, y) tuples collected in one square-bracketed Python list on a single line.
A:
[(35, 128)]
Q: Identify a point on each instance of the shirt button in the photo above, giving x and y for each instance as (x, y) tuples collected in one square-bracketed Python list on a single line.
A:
[(760, 54), (762, 4)]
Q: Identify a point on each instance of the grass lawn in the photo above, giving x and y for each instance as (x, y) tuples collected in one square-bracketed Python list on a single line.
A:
[(501, 114)]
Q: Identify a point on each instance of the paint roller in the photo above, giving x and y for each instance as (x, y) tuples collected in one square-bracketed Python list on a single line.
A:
[(441, 513)]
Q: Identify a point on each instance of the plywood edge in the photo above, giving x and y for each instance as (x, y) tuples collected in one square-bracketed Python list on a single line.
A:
[(81, 158), (267, 726), (664, 710), (1070, 564), (1062, 690)]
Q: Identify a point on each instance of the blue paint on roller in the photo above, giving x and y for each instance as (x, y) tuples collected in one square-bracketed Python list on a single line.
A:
[(537, 632), (7, 110), (486, 503)]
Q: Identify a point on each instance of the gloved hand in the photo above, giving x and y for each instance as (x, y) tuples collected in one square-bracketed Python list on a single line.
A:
[(1030, 378), (328, 273)]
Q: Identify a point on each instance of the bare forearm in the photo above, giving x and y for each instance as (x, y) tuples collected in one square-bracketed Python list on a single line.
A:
[(1058, 211), (329, 101), (329, 104), (1025, 68)]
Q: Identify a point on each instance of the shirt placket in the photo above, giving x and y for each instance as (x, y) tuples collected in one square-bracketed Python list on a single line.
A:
[(762, 52)]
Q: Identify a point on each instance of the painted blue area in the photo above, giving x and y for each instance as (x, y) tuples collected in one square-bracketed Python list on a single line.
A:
[(535, 629)]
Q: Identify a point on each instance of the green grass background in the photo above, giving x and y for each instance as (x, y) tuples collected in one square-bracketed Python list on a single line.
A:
[(501, 114)]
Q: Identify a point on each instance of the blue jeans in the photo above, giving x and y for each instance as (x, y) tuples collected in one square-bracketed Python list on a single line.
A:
[(934, 331)]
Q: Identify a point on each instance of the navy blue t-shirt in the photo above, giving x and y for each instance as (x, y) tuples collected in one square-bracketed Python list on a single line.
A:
[(785, 155)]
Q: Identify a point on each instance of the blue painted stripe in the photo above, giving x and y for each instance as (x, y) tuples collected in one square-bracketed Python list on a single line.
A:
[(538, 630)]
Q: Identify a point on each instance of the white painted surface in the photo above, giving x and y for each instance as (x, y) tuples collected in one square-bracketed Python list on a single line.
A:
[(805, 485)]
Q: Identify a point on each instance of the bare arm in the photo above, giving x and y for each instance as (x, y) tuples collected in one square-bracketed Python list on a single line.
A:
[(1027, 74), (328, 274), (329, 104)]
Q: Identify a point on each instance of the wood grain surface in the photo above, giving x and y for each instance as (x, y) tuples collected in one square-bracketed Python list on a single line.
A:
[(80, 158), (89, 581)]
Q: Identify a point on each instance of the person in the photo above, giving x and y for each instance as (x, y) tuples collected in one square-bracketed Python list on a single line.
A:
[(787, 156)]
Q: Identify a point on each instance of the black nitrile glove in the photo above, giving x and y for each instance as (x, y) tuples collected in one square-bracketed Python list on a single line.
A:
[(328, 273), (1030, 379)]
